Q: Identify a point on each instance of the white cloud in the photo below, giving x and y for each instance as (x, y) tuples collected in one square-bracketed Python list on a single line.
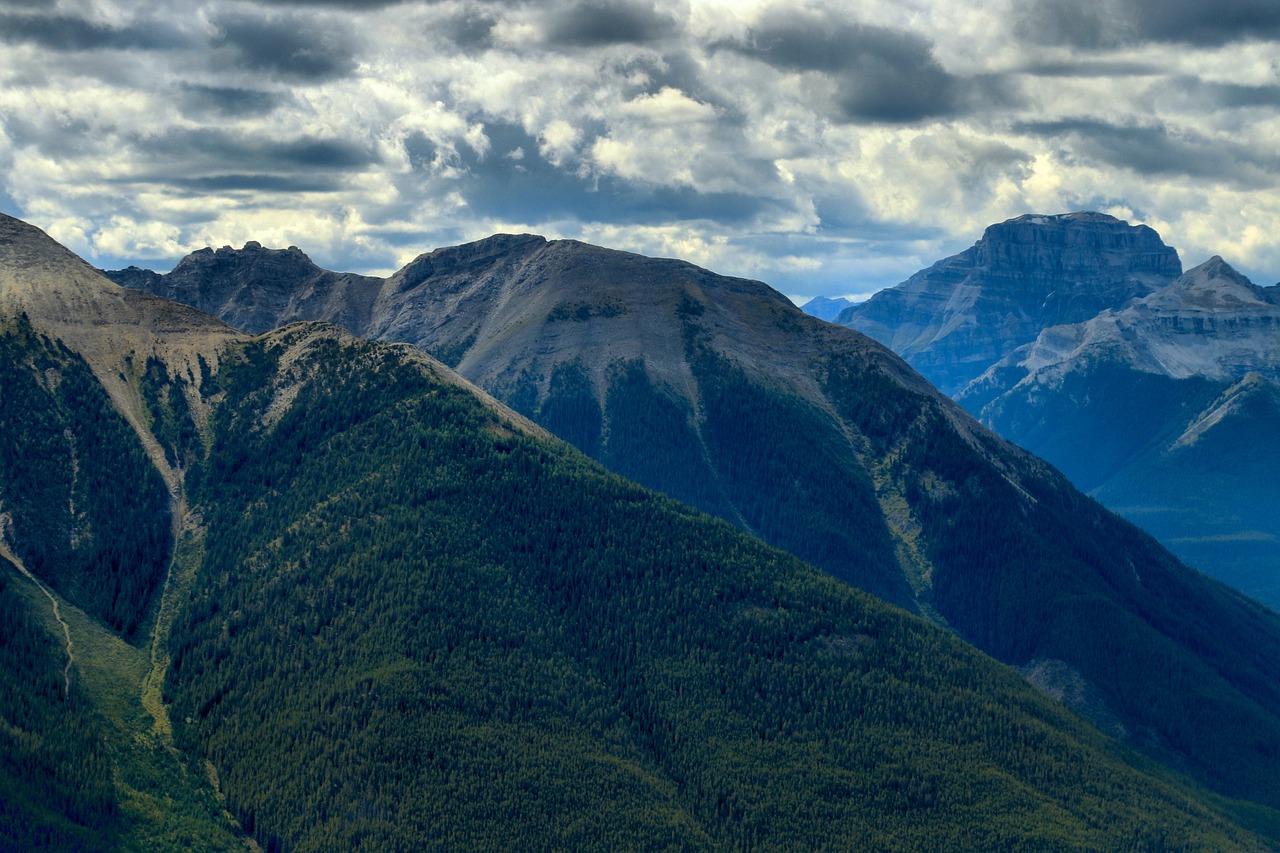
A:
[(149, 128)]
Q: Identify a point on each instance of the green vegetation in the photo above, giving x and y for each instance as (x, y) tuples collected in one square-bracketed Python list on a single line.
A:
[(1027, 568), (795, 477), (415, 628), (171, 420), (760, 458), (55, 773), (87, 771), (570, 409), (451, 355), (580, 312), (89, 513), (651, 439)]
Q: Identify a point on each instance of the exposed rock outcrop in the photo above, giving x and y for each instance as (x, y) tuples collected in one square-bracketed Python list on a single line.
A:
[(955, 319)]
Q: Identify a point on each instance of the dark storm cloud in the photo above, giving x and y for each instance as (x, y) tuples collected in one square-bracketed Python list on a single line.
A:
[(55, 135), (208, 150), (1091, 68), (595, 23), (526, 188), (224, 101), (65, 33), (881, 74), (260, 183), (292, 46), (1155, 150), (351, 5), (1232, 95), (471, 30), (649, 74), (1097, 24), (1229, 95)]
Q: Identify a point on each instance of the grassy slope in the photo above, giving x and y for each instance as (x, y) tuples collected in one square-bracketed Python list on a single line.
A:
[(97, 744)]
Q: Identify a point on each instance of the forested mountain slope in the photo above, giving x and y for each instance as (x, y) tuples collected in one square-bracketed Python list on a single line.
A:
[(428, 627), (407, 618), (98, 410), (719, 392)]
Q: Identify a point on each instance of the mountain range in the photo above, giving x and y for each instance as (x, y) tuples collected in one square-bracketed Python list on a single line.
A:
[(1160, 404), (355, 601), (719, 392)]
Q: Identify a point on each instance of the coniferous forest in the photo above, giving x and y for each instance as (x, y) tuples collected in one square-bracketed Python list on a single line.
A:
[(431, 629), (378, 610), (66, 455)]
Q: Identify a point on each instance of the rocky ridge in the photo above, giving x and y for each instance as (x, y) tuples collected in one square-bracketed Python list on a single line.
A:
[(966, 312)]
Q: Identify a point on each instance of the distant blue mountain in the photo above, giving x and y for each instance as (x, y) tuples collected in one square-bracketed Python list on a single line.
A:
[(958, 317), (826, 307), (1167, 411)]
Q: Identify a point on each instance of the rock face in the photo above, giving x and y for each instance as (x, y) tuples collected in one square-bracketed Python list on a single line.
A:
[(259, 289), (1167, 411), (955, 319), (723, 394)]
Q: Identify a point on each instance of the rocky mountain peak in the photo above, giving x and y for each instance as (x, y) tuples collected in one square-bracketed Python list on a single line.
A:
[(457, 259), (1214, 292), (1213, 286), (257, 288), (826, 308), (1212, 323), (1043, 250), (67, 298), (954, 319), (284, 262), (24, 245)]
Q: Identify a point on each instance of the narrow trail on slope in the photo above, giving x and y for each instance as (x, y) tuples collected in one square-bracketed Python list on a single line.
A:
[(7, 553)]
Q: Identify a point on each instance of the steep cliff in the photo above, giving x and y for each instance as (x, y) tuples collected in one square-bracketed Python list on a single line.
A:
[(955, 319)]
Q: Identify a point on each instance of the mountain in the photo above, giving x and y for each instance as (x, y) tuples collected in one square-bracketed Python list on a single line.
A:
[(826, 308), (958, 317), (1167, 411), (613, 384), (259, 286), (1066, 335), (102, 548), (400, 615), (721, 393), (93, 379)]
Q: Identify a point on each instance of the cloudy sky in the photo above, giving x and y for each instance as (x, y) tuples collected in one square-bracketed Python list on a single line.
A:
[(825, 147)]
